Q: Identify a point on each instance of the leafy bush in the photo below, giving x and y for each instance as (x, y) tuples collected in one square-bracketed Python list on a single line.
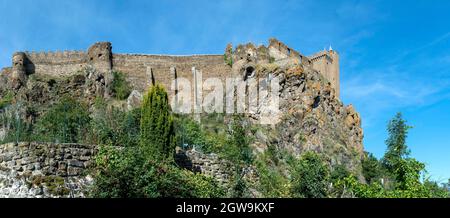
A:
[(272, 182), (339, 172), (120, 86), (309, 177), (112, 126), (66, 121), (127, 173), (189, 133), (228, 60), (406, 171), (372, 169)]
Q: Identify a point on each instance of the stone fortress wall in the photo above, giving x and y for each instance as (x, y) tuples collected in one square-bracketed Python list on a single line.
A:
[(141, 69)]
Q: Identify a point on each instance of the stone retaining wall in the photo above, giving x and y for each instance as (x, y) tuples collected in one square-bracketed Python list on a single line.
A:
[(31, 169)]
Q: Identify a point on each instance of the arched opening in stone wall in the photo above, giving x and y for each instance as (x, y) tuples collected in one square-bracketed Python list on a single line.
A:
[(249, 72)]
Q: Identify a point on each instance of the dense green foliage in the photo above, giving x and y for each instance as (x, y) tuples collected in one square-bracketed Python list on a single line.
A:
[(112, 126), (208, 136), (190, 134), (128, 173), (395, 166), (147, 170), (240, 154), (339, 172), (157, 127), (271, 166), (120, 87), (310, 177), (66, 121), (371, 168)]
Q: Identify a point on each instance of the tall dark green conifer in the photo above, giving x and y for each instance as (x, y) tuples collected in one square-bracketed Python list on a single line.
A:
[(157, 129)]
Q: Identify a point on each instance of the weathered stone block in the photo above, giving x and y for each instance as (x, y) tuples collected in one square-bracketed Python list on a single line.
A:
[(75, 163), (74, 171)]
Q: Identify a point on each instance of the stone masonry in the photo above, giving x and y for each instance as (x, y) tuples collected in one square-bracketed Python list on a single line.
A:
[(141, 69), (30, 169)]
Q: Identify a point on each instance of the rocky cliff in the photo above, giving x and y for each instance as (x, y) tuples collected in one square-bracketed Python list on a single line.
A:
[(312, 118)]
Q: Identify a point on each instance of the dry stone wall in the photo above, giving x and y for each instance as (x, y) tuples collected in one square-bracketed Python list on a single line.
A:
[(31, 169), (207, 164)]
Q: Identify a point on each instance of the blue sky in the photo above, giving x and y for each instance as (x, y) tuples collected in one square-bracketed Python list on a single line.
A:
[(394, 54)]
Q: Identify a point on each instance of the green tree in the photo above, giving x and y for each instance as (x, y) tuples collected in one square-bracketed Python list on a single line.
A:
[(309, 177), (371, 168), (406, 171), (339, 172), (396, 143), (157, 128)]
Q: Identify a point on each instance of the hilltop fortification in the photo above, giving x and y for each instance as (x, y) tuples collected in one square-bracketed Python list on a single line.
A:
[(141, 69), (311, 116)]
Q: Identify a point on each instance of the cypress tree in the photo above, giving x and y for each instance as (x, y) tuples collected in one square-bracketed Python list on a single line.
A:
[(157, 129)]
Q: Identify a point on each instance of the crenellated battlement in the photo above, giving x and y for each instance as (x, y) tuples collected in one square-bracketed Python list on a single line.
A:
[(136, 66), (57, 57)]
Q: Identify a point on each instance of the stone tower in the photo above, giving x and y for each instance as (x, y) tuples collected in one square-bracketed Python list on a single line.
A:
[(327, 63), (100, 57), (18, 76)]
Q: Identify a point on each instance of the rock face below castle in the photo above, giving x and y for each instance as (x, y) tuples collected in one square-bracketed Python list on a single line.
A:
[(312, 119)]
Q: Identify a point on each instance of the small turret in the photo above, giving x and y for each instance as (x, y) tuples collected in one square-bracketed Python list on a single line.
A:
[(100, 58)]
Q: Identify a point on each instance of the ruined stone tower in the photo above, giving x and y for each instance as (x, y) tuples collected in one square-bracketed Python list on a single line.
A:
[(18, 75), (327, 63)]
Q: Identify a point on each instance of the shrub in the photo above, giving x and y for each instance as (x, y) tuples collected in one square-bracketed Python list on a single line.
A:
[(204, 136), (272, 182), (371, 168), (66, 121), (112, 126), (120, 87), (309, 177), (127, 173), (339, 172)]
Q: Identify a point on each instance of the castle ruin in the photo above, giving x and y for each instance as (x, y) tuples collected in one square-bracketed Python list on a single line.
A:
[(142, 69)]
